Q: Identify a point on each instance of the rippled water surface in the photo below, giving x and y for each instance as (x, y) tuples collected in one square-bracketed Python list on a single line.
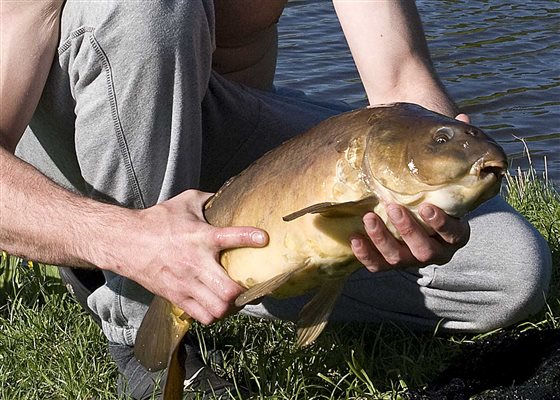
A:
[(499, 59)]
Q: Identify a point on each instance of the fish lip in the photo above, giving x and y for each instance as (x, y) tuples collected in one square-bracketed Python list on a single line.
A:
[(484, 167)]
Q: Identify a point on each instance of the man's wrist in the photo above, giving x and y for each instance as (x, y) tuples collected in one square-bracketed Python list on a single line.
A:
[(413, 81), (114, 230)]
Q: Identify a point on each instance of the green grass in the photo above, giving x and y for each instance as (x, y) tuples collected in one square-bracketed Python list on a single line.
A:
[(51, 349)]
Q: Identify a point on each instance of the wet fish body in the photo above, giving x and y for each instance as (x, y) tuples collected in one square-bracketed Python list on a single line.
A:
[(310, 194)]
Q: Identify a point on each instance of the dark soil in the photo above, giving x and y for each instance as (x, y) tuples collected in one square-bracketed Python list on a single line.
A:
[(509, 365)]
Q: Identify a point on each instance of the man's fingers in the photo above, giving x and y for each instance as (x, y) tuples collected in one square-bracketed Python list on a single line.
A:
[(208, 303), (216, 302), (389, 248), (454, 231), (215, 278), (420, 245), (196, 311), (232, 237), (366, 254), (464, 118)]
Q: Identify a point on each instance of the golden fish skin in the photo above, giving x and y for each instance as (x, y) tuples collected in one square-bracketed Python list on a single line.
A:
[(310, 195), (344, 167)]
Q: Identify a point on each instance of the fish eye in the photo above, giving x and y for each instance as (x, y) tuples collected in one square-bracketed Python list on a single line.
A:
[(443, 135)]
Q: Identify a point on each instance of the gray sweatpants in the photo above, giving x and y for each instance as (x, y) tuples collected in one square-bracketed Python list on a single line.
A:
[(132, 113)]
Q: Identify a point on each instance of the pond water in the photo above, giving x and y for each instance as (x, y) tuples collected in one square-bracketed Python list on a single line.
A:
[(499, 60)]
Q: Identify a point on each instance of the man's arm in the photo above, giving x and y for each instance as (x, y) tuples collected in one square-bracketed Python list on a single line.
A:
[(29, 33), (162, 248), (389, 47), (390, 51)]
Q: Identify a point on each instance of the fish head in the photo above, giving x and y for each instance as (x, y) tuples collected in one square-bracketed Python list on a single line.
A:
[(419, 155)]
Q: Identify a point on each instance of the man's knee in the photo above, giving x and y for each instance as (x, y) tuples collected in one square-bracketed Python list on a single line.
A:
[(166, 20), (145, 30), (501, 277), (521, 289)]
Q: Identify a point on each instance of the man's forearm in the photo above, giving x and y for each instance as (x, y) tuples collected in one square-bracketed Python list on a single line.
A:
[(389, 47), (168, 248), (39, 219), (44, 222)]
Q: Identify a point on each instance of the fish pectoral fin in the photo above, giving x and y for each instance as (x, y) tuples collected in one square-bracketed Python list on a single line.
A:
[(334, 210), (262, 289), (160, 332), (315, 314), (315, 208)]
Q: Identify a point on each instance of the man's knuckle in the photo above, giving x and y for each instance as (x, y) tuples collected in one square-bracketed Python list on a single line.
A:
[(218, 238), (379, 239), (204, 320), (454, 239), (439, 223), (365, 258), (220, 310), (374, 267), (425, 256), (393, 260), (406, 230), (230, 293)]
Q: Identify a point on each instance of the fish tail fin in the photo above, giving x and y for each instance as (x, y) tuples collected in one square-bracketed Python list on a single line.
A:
[(176, 373), (160, 334), (315, 314)]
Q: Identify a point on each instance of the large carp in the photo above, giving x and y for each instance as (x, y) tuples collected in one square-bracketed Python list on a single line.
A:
[(310, 194)]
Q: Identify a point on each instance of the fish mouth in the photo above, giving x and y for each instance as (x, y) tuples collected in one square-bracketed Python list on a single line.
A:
[(483, 168)]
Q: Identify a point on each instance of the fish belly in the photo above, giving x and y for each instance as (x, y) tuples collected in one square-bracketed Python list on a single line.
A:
[(315, 248)]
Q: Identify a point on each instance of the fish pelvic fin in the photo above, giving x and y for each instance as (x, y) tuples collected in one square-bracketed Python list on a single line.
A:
[(176, 373), (160, 333), (262, 289), (315, 314), (336, 210)]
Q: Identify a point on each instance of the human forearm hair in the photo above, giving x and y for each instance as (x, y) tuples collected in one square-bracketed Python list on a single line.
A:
[(42, 221), (390, 50)]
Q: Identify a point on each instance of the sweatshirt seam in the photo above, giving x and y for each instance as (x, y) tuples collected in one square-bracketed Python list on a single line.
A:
[(124, 150)]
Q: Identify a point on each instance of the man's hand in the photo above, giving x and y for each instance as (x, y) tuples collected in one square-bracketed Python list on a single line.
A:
[(180, 259), (169, 248), (464, 118), (382, 251)]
